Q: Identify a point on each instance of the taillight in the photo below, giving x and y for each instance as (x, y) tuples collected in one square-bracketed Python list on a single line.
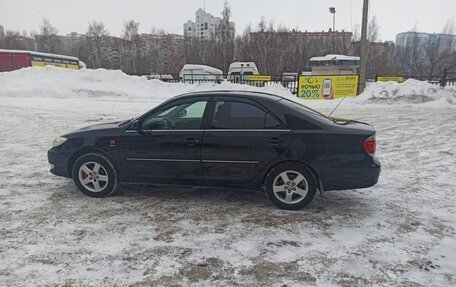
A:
[(369, 145)]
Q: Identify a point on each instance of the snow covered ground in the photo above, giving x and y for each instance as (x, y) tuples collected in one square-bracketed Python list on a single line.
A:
[(401, 232)]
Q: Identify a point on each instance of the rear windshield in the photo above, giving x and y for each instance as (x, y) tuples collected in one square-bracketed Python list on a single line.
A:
[(300, 107)]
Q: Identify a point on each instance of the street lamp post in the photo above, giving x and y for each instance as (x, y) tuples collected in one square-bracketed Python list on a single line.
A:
[(332, 10)]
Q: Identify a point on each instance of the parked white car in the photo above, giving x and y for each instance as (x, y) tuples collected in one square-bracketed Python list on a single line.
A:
[(241, 71), (192, 72)]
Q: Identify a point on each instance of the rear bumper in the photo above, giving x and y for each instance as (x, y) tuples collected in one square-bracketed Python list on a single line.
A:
[(353, 177), (58, 162)]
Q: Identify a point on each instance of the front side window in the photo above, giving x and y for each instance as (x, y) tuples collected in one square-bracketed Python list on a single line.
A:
[(237, 115), (185, 116)]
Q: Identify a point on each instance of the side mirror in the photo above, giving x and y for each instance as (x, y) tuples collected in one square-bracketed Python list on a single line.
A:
[(137, 125), (182, 113)]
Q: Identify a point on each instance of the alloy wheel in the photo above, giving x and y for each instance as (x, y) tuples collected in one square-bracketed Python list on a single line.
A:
[(290, 187), (93, 176)]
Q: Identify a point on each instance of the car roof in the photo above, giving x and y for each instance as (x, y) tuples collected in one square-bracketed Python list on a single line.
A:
[(237, 93)]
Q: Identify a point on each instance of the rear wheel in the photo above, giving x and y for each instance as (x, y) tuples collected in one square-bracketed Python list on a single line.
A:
[(291, 186), (95, 175)]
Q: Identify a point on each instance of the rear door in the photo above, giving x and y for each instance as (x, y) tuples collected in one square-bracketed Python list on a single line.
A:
[(240, 140)]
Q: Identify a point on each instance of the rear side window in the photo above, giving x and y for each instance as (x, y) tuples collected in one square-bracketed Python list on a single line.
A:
[(237, 115)]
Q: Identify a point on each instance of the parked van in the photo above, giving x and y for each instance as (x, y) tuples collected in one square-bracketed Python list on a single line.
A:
[(241, 70), (334, 65), (200, 73)]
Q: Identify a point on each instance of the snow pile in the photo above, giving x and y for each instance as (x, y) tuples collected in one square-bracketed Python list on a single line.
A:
[(54, 82), (411, 91)]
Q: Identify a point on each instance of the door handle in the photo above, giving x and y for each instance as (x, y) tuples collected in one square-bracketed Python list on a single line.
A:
[(192, 141), (274, 141)]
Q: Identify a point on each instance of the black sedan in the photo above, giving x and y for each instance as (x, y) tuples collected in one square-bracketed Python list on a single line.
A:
[(232, 139)]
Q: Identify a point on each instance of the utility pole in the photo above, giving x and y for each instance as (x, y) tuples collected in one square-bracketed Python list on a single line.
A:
[(363, 52)]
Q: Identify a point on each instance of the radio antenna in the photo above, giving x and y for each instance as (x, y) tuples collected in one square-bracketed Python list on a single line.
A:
[(336, 107)]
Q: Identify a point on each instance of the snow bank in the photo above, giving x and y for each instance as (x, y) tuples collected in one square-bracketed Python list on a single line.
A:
[(56, 82), (411, 91)]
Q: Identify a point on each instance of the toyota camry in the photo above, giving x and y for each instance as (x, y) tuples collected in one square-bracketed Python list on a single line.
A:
[(230, 139)]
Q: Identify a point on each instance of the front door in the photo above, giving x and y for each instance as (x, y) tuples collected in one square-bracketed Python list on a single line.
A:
[(242, 139), (166, 148)]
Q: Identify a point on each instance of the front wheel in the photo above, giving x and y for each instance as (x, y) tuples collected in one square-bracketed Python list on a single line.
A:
[(95, 175), (291, 186)]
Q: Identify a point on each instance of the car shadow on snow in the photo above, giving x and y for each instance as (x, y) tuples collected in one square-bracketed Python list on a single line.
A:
[(167, 205), (335, 202)]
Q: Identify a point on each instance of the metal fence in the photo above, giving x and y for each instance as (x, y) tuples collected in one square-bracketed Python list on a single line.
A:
[(448, 78), (444, 79), (287, 81)]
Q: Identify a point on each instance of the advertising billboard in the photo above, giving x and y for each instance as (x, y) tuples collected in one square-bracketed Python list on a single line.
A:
[(328, 87), (398, 79)]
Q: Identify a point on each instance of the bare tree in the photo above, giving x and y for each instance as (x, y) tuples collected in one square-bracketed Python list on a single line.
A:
[(130, 53), (96, 35), (262, 45), (424, 56), (226, 33), (372, 30), (356, 33), (48, 40), (14, 40), (438, 54), (449, 27)]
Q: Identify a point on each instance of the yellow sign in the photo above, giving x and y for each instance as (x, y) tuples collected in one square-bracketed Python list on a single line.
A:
[(42, 64), (259, 78), (398, 79), (328, 87)]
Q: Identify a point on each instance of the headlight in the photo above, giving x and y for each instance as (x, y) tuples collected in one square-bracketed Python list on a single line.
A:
[(58, 141)]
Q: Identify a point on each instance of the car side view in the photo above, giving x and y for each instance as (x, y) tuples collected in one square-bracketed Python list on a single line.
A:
[(230, 139)]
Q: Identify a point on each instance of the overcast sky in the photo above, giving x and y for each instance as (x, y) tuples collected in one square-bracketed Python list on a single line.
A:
[(393, 16)]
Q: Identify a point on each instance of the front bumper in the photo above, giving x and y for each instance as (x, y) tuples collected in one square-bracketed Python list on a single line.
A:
[(59, 162)]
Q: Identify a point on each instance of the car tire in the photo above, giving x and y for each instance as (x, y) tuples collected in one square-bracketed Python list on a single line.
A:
[(290, 186), (95, 175)]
